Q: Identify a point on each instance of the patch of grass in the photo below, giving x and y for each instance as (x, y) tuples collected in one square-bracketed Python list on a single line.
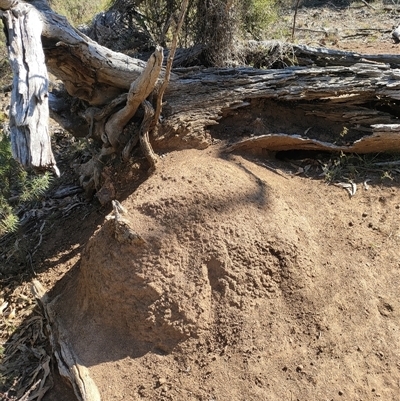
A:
[(17, 187), (351, 166)]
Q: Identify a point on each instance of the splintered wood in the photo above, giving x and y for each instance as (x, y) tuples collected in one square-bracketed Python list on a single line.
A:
[(29, 112), (68, 364)]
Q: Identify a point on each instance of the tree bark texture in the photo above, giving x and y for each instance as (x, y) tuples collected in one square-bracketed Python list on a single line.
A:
[(29, 112), (357, 96)]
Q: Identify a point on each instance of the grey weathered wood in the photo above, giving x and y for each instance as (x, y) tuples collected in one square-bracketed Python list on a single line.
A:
[(139, 90), (336, 93), (304, 55), (29, 112), (68, 364)]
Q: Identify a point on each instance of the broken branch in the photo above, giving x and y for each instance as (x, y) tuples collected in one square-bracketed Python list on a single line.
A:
[(139, 90)]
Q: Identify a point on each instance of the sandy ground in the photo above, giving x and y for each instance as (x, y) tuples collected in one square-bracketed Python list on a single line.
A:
[(251, 285)]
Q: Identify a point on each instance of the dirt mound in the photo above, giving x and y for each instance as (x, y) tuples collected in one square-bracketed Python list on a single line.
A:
[(245, 284)]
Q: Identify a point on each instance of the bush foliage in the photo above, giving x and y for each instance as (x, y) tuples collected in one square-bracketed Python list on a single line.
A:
[(219, 25), (17, 187), (79, 12), (258, 15)]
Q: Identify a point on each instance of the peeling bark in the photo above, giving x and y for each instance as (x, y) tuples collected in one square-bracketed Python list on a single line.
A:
[(29, 112)]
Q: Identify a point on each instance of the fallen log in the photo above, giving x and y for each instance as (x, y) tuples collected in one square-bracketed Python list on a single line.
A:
[(341, 90), (355, 97)]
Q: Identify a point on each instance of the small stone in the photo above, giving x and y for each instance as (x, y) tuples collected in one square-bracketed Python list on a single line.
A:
[(161, 381)]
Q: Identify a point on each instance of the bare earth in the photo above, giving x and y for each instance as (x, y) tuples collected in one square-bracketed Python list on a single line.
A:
[(250, 281), (250, 286)]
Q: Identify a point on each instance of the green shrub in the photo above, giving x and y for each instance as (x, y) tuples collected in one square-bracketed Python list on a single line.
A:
[(17, 186), (258, 16), (79, 12)]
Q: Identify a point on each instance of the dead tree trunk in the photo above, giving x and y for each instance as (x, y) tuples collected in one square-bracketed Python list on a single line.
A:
[(29, 110), (349, 93)]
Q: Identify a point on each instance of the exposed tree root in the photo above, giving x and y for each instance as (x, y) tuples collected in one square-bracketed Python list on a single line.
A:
[(107, 124), (144, 135), (139, 90)]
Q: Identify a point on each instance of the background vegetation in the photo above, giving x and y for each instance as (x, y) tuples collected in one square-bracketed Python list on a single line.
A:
[(79, 12), (17, 187), (243, 18)]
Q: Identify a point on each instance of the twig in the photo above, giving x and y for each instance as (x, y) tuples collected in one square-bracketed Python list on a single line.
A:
[(169, 65), (392, 163), (294, 18), (368, 5)]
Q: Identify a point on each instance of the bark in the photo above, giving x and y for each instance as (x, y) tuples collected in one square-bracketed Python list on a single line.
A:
[(89, 71), (357, 96), (68, 365), (138, 92), (29, 112)]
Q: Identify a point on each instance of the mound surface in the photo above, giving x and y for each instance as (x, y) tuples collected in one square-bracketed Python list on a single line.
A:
[(245, 285)]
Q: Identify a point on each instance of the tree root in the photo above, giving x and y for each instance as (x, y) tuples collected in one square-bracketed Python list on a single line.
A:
[(69, 367), (108, 124), (140, 89), (144, 135)]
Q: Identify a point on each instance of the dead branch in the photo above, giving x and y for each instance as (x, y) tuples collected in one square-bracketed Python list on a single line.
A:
[(139, 90), (69, 367), (171, 56)]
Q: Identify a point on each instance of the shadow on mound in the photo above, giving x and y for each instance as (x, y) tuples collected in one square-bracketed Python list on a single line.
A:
[(127, 298)]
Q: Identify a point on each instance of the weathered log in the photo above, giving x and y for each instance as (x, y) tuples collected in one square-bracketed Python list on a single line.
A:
[(29, 112), (267, 53), (68, 364), (357, 93), (356, 96), (89, 71)]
